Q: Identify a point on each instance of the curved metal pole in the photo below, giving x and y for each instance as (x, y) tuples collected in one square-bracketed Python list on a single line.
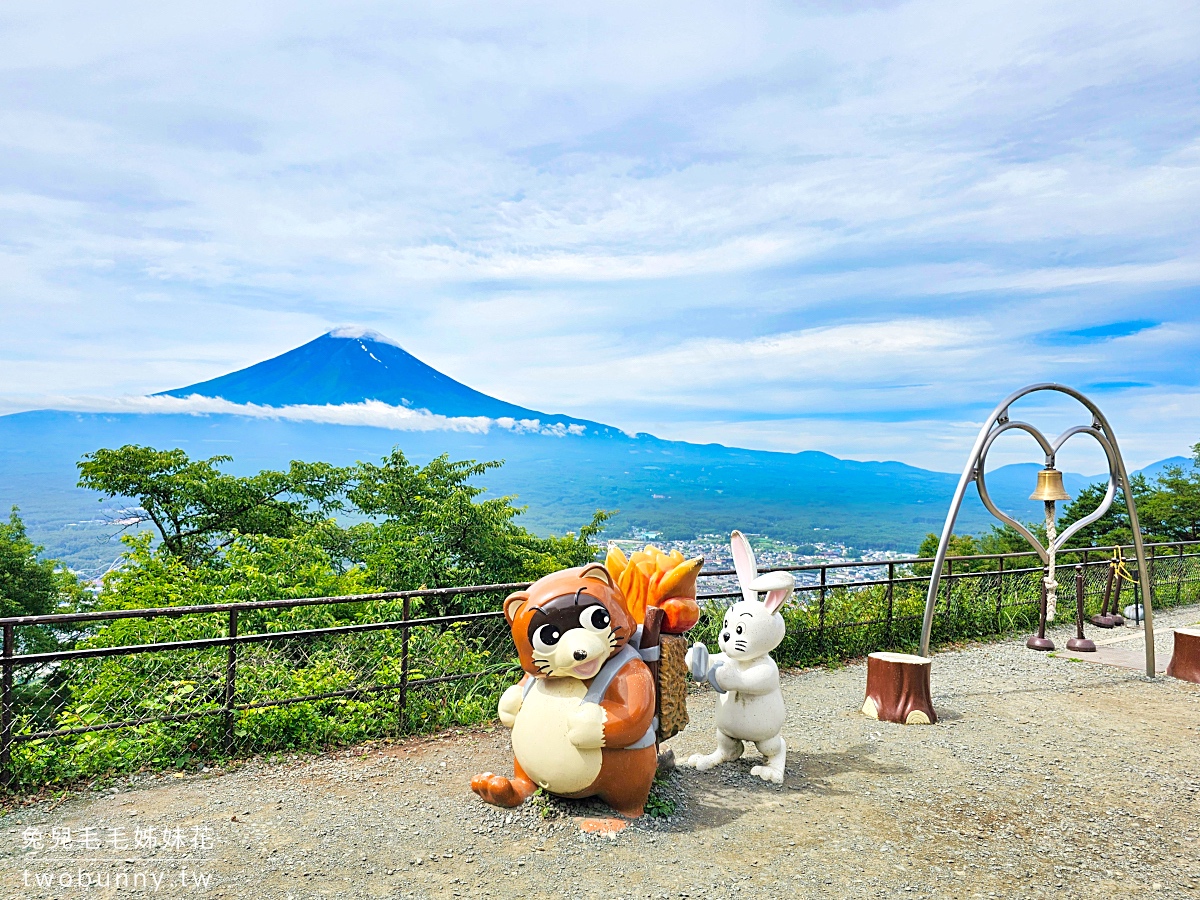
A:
[(1117, 475), (981, 482), (939, 559), (1109, 493), (1136, 527), (1134, 524)]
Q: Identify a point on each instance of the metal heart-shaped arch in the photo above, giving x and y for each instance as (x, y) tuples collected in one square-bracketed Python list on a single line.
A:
[(974, 471), (1051, 450)]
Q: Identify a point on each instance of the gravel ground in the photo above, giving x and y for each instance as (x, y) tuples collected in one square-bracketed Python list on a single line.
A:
[(1043, 777)]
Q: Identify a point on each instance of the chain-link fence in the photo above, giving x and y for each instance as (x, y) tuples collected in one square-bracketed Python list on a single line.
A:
[(179, 686), (846, 610)]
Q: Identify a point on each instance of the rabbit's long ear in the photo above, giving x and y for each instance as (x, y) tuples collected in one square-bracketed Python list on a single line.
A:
[(775, 599), (744, 564)]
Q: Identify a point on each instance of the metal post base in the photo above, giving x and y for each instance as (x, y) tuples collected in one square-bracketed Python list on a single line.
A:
[(1103, 621), (1039, 643), (1082, 645)]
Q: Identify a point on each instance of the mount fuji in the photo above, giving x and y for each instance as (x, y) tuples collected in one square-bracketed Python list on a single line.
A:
[(356, 365), (355, 394)]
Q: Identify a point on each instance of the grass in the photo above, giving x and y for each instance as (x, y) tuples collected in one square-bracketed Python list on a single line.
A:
[(658, 804)]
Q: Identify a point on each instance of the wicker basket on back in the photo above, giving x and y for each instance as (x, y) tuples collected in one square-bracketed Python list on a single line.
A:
[(660, 593)]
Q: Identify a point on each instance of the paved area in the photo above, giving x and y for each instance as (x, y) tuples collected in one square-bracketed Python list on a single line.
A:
[(1123, 647), (1045, 777)]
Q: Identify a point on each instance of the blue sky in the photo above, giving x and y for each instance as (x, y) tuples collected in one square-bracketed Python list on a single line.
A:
[(840, 226)]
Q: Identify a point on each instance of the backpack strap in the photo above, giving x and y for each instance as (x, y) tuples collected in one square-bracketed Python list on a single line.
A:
[(648, 654), (648, 739), (599, 686), (604, 678), (600, 683)]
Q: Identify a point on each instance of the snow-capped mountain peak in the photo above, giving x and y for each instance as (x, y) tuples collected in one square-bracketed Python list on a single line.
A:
[(361, 333), (352, 364)]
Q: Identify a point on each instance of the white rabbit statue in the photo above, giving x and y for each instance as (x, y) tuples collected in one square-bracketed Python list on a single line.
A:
[(749, 697)]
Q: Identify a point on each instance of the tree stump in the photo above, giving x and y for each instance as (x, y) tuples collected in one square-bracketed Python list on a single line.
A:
[(898, 689), (1185, 661)]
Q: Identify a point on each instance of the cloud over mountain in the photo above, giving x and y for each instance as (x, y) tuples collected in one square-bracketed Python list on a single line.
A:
[(361, 368), (369, 413)]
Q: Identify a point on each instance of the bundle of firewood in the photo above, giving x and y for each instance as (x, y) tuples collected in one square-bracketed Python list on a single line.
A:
[(652, 579)]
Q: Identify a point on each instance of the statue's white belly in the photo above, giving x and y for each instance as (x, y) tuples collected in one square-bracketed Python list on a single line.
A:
[(539, 738), (751, 717)]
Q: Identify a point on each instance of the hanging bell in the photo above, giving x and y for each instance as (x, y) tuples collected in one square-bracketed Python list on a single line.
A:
[(1049, 486)]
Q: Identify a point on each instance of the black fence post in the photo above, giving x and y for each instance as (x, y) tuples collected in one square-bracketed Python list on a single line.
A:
[(891, 586), (999, 591), (230, 680), (1137, 587), (1086, 563), (949, 579), (1179, 575), (6, 710), (821, 613), (406, 628), (1150, 565)]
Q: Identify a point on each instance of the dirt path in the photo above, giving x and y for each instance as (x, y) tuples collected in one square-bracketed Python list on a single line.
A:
[(1044, 777)]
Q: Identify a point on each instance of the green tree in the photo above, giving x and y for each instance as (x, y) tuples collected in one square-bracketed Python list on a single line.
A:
[(1006, 539), (253, 567), (1113, 527), (31, 586), (416, 525), (197, 509), (428, 527), (1172, 510), (960, 545), (999, 539)]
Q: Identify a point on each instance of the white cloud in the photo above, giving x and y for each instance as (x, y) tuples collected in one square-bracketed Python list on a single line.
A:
[(639, 214), (1150, 426), (370, 413), (887, 366)]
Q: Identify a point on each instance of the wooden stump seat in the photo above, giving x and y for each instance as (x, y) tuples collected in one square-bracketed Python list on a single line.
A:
[(1185, 661), (898, 689)]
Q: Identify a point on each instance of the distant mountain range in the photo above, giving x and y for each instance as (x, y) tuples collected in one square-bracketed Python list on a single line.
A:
[(354, 394)]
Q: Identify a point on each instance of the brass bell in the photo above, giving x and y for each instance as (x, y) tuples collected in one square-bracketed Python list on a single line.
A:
[(1049, 486)]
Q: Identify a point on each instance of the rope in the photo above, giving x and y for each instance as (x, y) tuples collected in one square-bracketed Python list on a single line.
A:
[(1051, 584), (1117, 563)]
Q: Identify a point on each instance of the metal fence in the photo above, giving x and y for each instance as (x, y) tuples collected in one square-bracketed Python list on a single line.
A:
[(83, 694)]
